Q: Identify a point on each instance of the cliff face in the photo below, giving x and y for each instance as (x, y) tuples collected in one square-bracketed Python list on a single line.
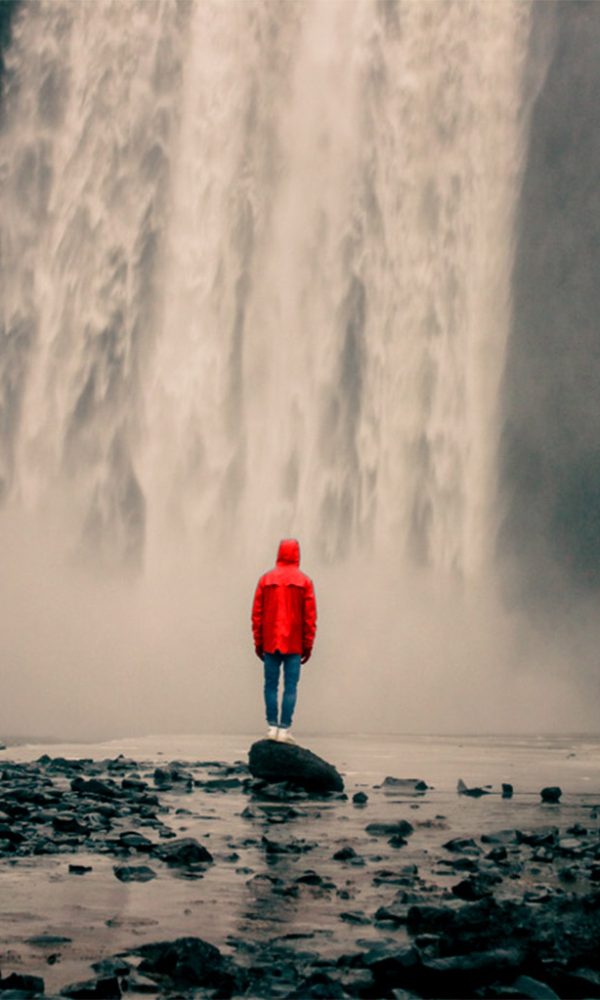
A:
[(551, 445)]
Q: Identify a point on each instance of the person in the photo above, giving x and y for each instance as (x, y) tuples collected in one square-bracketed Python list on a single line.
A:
[(284, 622)]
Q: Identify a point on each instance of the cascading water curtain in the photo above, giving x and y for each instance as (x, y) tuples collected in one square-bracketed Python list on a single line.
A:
[(255, 269)]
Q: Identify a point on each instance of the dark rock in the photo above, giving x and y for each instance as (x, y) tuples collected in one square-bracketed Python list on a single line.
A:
[(475, 887), (551, 793), (465, 971), (101, 988), (462, 845), (48, 940), (79, 869), (360, 798), (474, 793), (408, 786), (497, 854), (547, 835), (397, 841), (355, 917), (30, 985), (273, 761), (507, 790), (533, 989), (401, 828), (95, 788), (134, 873), (67, 822), (187, 962), (291, 847), (183, 852), (344, 854), (395, 914), (136, 840)]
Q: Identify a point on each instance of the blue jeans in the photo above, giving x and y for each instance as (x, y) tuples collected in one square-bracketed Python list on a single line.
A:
[(291, 674)]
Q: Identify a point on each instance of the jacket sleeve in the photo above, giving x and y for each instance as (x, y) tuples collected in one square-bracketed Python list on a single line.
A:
[(257, 615), (309, 624)]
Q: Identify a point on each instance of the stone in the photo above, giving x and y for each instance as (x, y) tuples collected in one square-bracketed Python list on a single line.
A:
[(474, 793), (134, 873), (95, 788), (360, 798), (184, 852), (400, 828), (507, 790), (187, 962), (408, 786), (274, 762), (462, 845), (100, 988), (551, 793), (345, 854), (30, 985), (79, 869), (533, 989)]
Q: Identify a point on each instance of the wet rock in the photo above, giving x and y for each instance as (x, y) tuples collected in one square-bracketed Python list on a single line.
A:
[(475, 887), (273, 761), (95, 788), (407, 786), (28, 985), (100, 988), (291, 847), (463, 845), (184, 852), (135, 840), (547, 835), (396, 913), (401, 828), (551, 793), (474, 793), (360, 798), (79, 869), (68, 822), (48, 940), (134, 873), (188, 962), (507, 790), (464, 972), (355, 917), (319, 984), (345, 854), (533, 989)]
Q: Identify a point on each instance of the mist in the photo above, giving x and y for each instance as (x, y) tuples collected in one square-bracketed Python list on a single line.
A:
[(273, 270)]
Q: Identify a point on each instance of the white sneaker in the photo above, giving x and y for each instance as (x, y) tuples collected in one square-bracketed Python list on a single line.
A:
[(272, 733), (285, 736)]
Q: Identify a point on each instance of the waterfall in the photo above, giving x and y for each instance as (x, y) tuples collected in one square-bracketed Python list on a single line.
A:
[(255, 272), (256, 263)]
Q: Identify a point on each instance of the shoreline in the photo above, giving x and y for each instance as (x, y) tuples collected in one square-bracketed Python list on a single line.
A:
[(275, 894)]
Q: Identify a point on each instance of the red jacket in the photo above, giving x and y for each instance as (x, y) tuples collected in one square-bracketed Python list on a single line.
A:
[(284, 612)]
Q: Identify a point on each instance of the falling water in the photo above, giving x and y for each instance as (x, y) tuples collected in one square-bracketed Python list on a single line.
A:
[(255, 281), (256, 265)]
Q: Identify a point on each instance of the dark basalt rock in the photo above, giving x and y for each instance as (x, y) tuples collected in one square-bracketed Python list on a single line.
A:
[(188, 962), (274, 762), (134, 873), (29, 985), (360, 798), (551, 793), (401, 828), (474, 793), (101, 988), (183, 852)]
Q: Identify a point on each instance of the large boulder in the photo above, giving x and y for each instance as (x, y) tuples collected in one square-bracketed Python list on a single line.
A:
[(274, 762)]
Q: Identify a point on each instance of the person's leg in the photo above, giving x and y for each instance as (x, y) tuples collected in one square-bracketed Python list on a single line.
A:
[(291, 668), (272, 662)]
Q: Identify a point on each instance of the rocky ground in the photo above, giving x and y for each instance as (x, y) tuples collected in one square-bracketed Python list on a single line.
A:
[(227, 884)]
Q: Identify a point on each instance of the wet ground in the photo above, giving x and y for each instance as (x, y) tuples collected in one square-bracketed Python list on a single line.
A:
[(275, 891)]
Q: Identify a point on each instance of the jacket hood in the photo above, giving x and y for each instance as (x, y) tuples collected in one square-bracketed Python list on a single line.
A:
[(289, 552)]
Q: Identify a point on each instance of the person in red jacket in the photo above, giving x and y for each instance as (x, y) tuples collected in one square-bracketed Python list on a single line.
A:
[(284, 622)]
